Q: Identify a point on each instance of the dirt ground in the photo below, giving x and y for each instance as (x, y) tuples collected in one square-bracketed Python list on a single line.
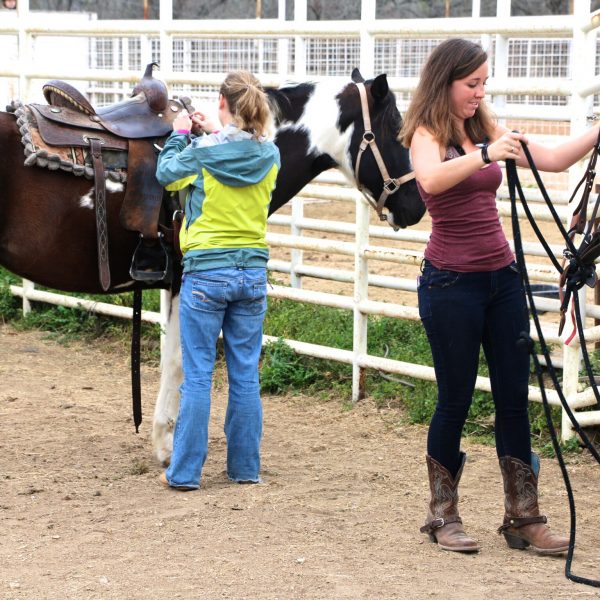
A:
[(83, 517)]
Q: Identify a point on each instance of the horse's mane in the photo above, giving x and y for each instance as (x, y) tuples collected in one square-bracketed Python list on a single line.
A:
[(281, 100)]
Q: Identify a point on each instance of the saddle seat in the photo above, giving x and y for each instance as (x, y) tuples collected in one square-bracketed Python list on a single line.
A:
[(147, 113)]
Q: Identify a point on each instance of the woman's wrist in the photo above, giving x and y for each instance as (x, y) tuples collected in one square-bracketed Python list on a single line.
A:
[(183, 131), (484, 154)]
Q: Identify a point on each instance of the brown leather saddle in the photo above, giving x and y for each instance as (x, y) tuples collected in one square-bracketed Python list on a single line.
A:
[(123, 135)]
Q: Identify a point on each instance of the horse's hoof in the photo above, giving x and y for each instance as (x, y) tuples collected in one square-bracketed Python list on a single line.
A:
[(162, 437)]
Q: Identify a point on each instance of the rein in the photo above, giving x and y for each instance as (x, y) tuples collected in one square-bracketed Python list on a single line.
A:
[(390, 186), (580, 271)]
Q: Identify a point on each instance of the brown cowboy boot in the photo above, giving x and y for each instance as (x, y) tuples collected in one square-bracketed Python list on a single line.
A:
[(523, 525), (443, 524)]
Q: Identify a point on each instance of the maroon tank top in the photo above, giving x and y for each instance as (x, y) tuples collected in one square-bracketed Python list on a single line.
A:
[(466, 234)]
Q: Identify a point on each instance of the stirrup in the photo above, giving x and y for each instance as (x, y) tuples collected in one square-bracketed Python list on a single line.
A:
[(151, 264)]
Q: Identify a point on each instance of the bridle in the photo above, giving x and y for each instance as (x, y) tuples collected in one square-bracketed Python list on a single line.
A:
[(580, 271), (390, 185)]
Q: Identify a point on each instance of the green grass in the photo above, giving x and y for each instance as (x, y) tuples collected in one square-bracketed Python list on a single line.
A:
[(282, 370)]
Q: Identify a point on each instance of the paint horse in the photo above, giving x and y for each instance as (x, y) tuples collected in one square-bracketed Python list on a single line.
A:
[(49, 221)]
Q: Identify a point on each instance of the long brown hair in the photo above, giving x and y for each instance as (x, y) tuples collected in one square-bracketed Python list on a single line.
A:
[(247, 103), (430, 105)]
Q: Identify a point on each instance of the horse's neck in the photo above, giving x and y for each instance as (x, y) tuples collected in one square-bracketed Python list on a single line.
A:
[(318, 121)]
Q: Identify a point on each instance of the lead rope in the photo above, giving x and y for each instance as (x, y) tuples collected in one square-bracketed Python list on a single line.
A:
[(515, 185)]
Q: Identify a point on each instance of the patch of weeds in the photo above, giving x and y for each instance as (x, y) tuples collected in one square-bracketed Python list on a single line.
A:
[(282, 368), (571, 446), (139, 467)]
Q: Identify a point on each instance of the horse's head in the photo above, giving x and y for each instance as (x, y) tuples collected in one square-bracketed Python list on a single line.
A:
[(380, 163)]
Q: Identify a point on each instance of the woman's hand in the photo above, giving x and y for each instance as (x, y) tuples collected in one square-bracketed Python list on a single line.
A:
[(201, 123), (182, 122), (507, 147)]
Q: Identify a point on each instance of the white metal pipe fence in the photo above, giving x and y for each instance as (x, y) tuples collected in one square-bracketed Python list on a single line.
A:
[(579, 28)]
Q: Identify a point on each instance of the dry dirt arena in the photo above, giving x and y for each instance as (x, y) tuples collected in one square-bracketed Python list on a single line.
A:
[(83, 516)]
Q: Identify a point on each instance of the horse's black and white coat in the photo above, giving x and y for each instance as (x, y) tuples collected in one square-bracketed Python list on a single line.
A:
[(317, 126)]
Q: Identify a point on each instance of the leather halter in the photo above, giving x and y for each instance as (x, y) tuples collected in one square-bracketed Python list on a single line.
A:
[(390, 186)]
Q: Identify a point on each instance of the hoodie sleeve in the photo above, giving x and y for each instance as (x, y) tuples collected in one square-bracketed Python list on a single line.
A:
[(177, 167)]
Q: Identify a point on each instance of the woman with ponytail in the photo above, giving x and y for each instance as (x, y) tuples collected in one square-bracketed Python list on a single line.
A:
[(230, 175)]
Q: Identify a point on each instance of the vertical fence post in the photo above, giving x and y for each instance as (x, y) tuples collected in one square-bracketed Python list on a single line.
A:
[(283, 44), (24, 51), (367, 41), (501, 54), (300, 14), (361, 291), (166, 41), (166, 297), (28, 286), (296, 254)]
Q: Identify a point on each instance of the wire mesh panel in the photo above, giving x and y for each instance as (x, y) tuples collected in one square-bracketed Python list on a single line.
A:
[(332, 56)]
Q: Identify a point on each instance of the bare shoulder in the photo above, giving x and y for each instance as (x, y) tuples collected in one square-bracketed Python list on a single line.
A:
[(499, 131), (422, 133)]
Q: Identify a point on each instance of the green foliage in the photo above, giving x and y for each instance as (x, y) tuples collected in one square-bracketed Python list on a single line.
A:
[(569, 447), (9, 304), (309, 323), (282, 369)]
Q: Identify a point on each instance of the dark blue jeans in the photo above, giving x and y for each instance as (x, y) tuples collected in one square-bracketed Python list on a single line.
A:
[(460, 313)]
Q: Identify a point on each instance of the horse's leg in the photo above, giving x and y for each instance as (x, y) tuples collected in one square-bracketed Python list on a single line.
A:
[(167, 403)]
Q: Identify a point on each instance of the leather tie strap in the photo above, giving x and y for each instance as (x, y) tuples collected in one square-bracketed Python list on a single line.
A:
[(101, 222), (136, 386)]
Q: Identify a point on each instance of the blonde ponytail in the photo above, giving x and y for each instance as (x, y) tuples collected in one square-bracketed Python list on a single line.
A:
[(248, 103)]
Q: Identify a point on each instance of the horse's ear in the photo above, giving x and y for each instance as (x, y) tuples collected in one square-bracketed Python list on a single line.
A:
[(380, 87), (356, 76)]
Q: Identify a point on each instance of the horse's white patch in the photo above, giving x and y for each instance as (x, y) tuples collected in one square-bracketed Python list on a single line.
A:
[(320, 119), (112, 187), (87, 201)]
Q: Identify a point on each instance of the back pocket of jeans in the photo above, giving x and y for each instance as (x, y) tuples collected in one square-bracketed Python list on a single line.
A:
[(208, 295)]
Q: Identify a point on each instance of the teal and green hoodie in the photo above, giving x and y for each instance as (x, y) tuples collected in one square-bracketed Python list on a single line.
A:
[(231, 177)]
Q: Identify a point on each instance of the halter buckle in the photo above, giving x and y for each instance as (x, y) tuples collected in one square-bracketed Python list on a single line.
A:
[(391, 186)]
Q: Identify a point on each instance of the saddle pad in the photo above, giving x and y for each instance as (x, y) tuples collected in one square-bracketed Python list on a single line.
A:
[(70, 158)]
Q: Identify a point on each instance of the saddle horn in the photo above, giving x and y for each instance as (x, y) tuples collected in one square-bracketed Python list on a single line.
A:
[(155, 90)]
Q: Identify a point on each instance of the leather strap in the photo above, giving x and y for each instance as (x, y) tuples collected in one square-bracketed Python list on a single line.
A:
[(516, 522), (101, 221), (136, 387), (177, 221), (439, 523)]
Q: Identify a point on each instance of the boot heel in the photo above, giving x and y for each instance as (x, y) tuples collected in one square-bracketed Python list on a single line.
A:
[(515, 542), (432, 538)]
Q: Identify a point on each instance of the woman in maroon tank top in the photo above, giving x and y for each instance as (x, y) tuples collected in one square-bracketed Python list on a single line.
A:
[(470, 291)]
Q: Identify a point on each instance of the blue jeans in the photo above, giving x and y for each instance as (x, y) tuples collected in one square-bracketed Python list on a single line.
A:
[(233, 300), (460, 313)]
